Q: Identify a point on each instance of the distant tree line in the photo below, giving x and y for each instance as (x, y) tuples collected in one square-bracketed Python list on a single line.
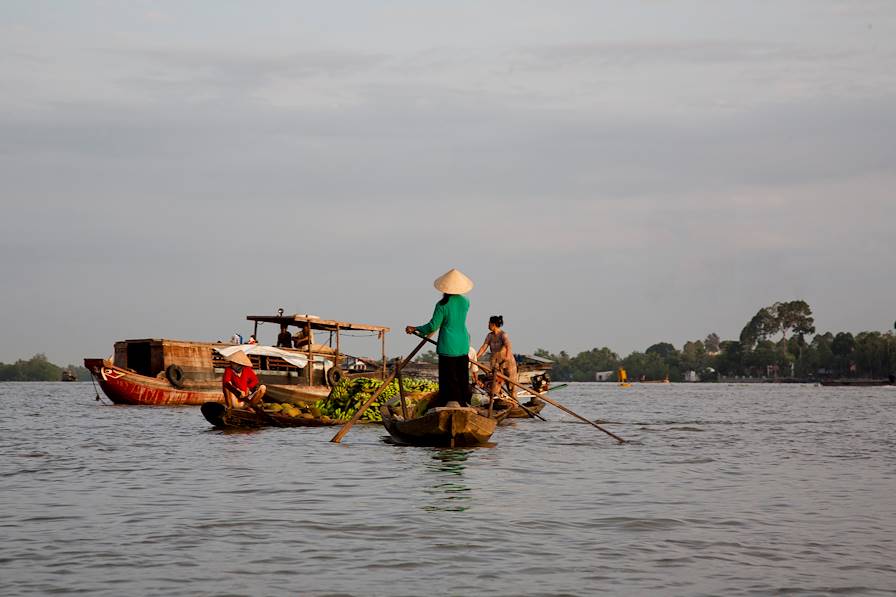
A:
[(38, 368), (778, 342)]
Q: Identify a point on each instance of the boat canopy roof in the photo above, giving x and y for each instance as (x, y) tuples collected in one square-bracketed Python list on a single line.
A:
[(316, 323)]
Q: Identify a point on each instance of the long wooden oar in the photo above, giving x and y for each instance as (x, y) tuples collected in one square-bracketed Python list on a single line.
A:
[(345, 428), (548, 400)]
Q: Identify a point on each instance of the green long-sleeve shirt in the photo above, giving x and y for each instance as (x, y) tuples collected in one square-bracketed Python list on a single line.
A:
[(450, 318)]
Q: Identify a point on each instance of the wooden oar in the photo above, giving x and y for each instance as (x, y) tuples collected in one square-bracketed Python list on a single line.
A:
[(548, 400), (532, 414), (345, 428)]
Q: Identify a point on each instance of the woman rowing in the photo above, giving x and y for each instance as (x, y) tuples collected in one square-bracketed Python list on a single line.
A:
[(450, 318), (502, 359)]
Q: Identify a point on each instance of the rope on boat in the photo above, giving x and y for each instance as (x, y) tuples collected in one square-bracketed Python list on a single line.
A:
[(95, 389)]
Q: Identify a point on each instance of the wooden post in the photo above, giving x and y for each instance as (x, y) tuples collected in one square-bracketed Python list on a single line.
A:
[(383, 346), (404, 404), (345, 428), (310, 374), (337, 344)]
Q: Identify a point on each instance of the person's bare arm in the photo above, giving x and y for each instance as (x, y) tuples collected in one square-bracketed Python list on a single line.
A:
[(481, 350)]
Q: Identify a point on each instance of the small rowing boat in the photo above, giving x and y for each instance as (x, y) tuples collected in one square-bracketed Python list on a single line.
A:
[(449, 426), (500, 410), (237, 418)]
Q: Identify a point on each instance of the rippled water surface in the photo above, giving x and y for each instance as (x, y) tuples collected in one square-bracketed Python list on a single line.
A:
[(722, 489)]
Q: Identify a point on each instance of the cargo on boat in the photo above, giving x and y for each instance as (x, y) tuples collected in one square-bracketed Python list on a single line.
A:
[(177, 372), (449, 426)]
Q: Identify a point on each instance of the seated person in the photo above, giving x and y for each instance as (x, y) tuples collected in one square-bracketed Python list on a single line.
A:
[(240, 381)]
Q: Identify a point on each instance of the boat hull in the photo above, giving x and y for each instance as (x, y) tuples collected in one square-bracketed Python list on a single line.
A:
[(232, 418), (441, 427), (122, 386), (126, 387)]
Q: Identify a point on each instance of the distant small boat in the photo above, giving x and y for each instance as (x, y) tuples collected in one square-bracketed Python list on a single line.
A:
[(622, 376), (449, 426), (68, 375)]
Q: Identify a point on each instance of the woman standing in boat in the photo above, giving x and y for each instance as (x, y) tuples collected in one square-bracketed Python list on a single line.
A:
[(450, 318), (502, 359), (239, 381)]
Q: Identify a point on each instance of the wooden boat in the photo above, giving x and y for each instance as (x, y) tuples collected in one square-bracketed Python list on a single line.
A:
[(176, 372), (450, 426), (235, 418)]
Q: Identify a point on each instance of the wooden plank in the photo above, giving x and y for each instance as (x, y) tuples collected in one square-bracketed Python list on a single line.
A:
[(329, 325)]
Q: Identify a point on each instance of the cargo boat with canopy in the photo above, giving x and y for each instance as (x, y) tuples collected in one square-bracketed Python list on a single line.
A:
[(177, 372)]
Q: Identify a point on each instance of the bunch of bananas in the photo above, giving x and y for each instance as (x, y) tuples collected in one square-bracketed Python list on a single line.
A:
[(350, 394)]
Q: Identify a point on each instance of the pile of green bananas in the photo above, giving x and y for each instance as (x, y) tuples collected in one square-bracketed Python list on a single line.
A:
[(349, 394)]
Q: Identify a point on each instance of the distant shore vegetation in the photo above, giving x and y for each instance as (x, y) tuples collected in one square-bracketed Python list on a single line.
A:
[(38, 368), (779, 342)]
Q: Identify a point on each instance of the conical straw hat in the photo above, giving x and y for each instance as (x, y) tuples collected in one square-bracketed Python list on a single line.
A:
[(240, 358), (453, 282)]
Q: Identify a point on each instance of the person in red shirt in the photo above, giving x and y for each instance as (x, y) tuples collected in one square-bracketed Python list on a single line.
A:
[(239, 381)]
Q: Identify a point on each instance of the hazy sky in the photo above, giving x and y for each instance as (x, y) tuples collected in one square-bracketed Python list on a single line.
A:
[(608, 173)]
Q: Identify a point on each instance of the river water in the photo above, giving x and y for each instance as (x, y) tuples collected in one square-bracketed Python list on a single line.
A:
[(721, 489)]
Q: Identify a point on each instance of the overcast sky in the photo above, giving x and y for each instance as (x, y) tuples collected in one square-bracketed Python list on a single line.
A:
[(608, 173)]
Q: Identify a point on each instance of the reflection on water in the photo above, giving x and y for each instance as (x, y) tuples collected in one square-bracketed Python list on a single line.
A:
[(449, 492)]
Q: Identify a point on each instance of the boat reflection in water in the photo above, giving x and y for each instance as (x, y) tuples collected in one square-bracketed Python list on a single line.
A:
[(450, 493)]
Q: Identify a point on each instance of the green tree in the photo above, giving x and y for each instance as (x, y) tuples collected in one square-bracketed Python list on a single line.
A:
[(37, 368), (794, 317), (730, 360), (647, 366), (693, 356), (712, 343), (663, 349), (760, 327)]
